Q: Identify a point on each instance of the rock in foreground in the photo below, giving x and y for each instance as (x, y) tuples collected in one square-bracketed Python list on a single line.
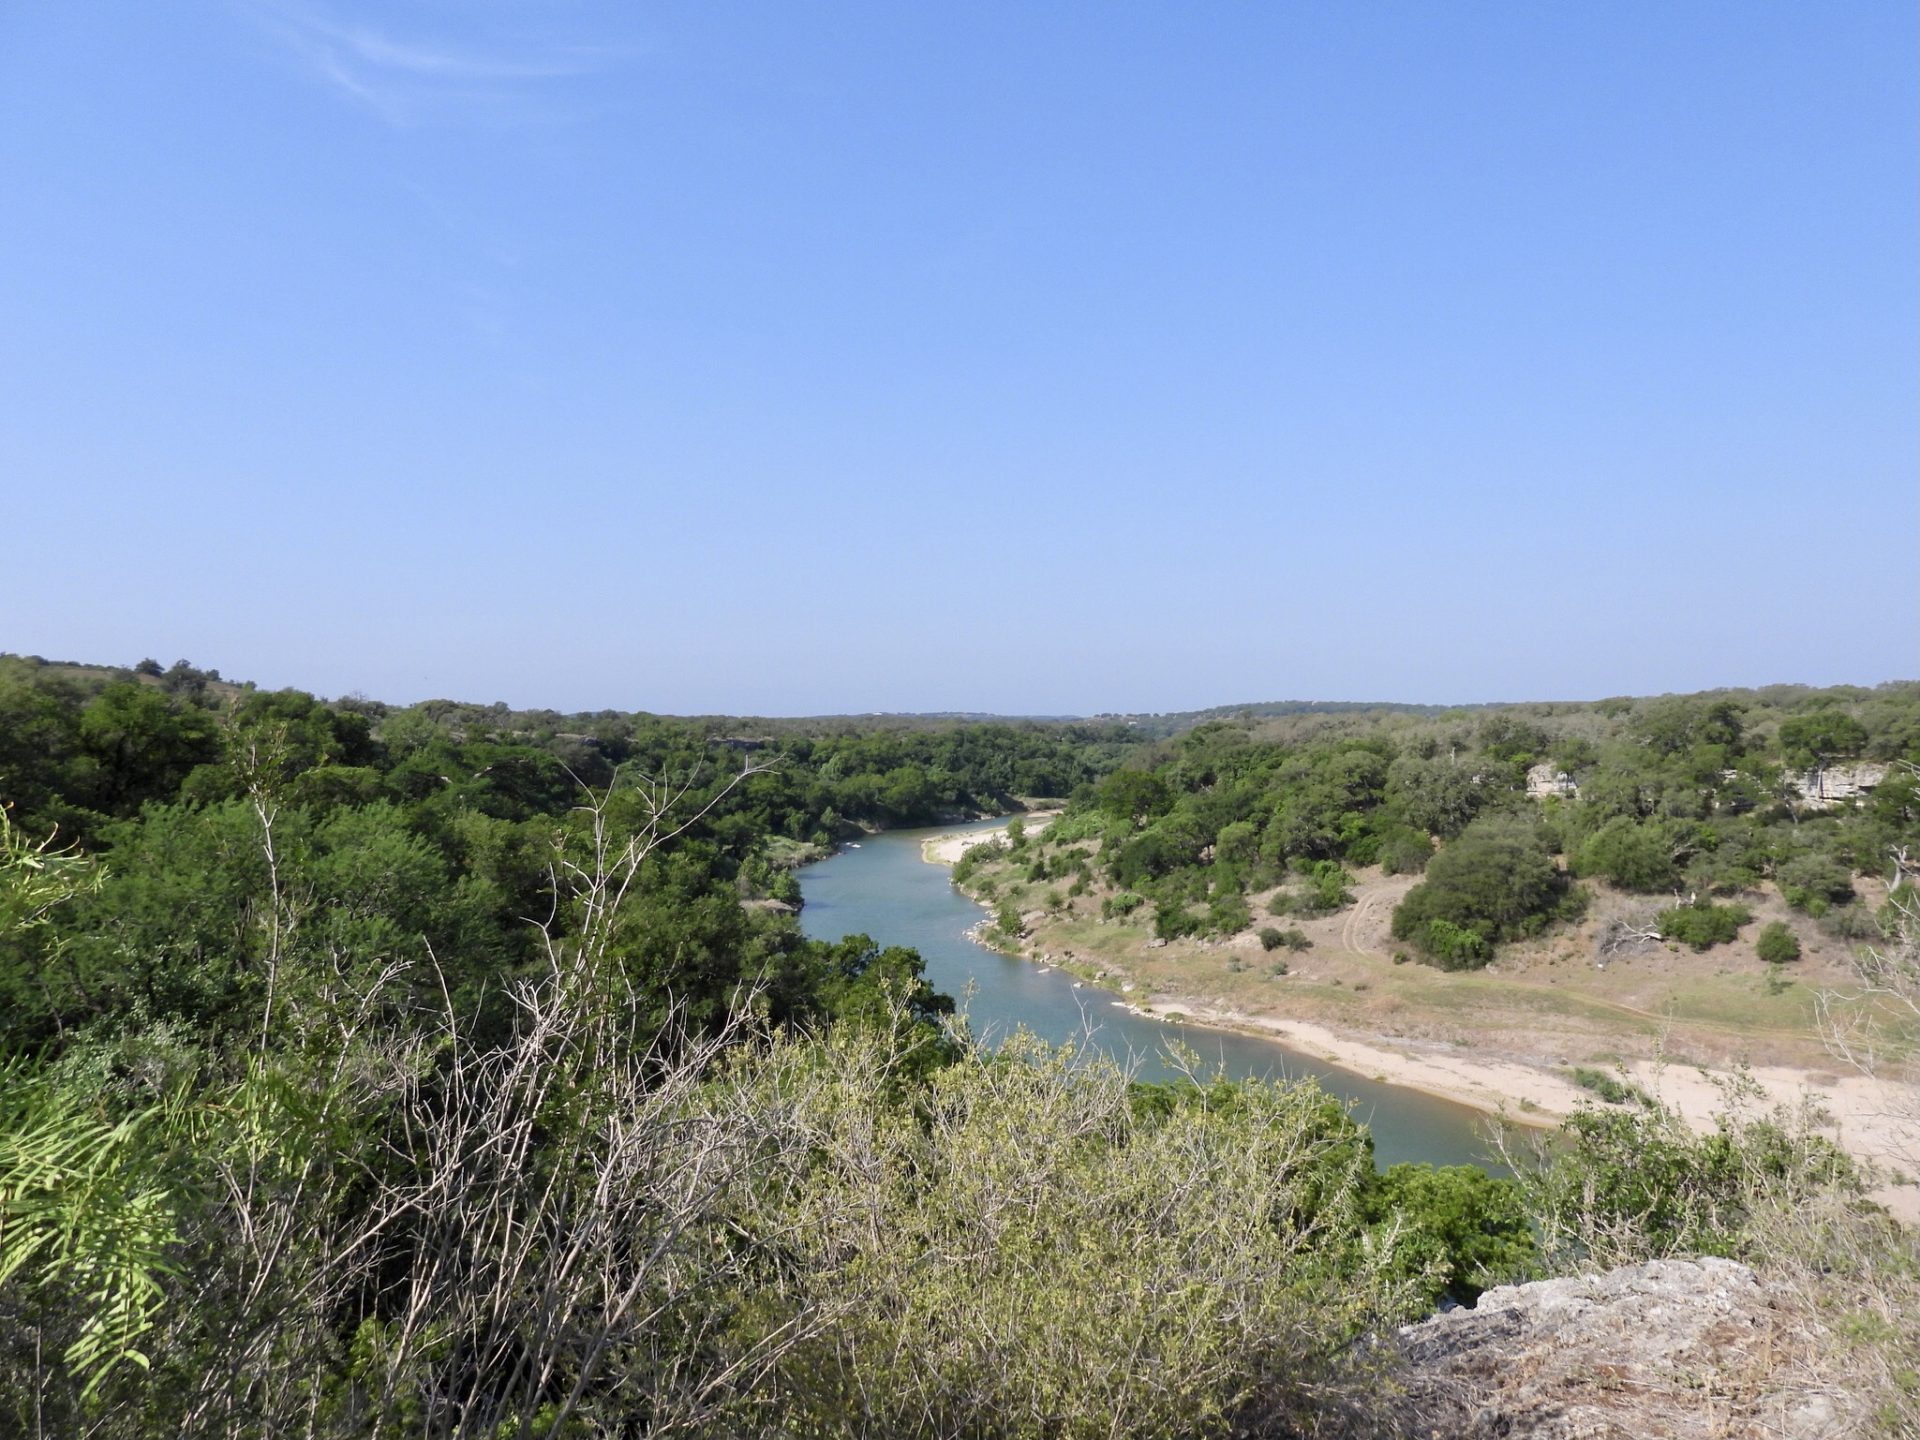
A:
[(1670, 1348)]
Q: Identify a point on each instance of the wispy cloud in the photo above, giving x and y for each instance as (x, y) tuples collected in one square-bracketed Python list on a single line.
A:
[(407, 80)]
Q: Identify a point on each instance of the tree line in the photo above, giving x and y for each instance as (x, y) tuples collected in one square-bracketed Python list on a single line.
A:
[(445, 1071)]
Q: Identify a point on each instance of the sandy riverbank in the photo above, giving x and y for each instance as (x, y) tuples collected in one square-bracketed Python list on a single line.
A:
[(1872, 1120), (946, 849)]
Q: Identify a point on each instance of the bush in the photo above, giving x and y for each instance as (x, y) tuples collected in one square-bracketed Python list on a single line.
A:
[(1703, 924), (1812, 882), (1453, 947), (1227, 913), (1620, 1186), (1270, 938), (1855, 922), (1172, 920), (1473, 1225), (1162, 1257), (1614, 1092), (1635, 855), (1404, 851), (1325, 890), (1496, 882), (1007, 919), (974, 856), (1777, 944)]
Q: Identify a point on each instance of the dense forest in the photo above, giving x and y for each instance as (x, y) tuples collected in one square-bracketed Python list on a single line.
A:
[(452, 1070)]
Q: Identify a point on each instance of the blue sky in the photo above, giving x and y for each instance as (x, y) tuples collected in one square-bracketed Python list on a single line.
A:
[(790, 358)]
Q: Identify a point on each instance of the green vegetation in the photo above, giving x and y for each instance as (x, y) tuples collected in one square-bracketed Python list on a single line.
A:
[(1777, 944), (1615, 1092), (1496, 882), (1271, 811), (302, 1122), (1703, 924), (306, 1128)]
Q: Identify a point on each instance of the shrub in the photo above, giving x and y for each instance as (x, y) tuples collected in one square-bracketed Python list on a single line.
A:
[(1703, 924), (1404, 851), (1227, 913), (974, 856), (1327, 887), (1453, 947), (1163, 1258), (1855, 922), (1473, 1225), (1633, 854), (1620, 1186), (1615, 1092), (1777, 944), (1812, 882), (1172, 920), (1270, 938), (1496, 882)]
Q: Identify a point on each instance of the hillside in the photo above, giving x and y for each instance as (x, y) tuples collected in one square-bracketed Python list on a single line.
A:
[(1524, 907)]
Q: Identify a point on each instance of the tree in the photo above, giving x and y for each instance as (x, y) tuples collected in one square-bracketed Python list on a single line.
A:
[(1134, 795), (1473, 1227), (1812, 740), (144, 745), (1437, 796), (1635, 854), (1496, 882)]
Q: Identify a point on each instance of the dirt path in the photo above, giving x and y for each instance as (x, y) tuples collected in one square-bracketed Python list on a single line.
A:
[(1350, 930)]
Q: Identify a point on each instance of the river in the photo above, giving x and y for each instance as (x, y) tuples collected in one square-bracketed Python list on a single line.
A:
[(883, 889)]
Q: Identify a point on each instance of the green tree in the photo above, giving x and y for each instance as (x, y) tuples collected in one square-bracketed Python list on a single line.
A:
[(1823, 735), (1496, 882), (1642, 855)]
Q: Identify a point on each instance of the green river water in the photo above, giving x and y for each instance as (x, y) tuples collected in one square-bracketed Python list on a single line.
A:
[(883, 889)]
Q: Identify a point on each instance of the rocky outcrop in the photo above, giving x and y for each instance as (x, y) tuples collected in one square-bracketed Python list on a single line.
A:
[(1546, 779), (1824, 787), (1671, 1348)]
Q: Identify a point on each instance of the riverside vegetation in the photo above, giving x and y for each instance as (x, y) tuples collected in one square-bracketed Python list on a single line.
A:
[(457, 1071), (1588, 849)]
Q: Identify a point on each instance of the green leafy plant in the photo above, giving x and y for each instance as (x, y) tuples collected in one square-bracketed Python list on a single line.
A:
[(1777, 944), (1703, 924)]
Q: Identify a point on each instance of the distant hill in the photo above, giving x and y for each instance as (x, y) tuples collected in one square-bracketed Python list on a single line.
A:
[(1174, 722)]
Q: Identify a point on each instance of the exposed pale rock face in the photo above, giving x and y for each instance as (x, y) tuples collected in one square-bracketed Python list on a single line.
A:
[(1547, 779), (1824, 787), (1671, 1348)]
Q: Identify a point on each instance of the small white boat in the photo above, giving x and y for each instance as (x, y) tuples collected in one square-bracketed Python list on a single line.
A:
[(853, 845), (1076, 984)]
